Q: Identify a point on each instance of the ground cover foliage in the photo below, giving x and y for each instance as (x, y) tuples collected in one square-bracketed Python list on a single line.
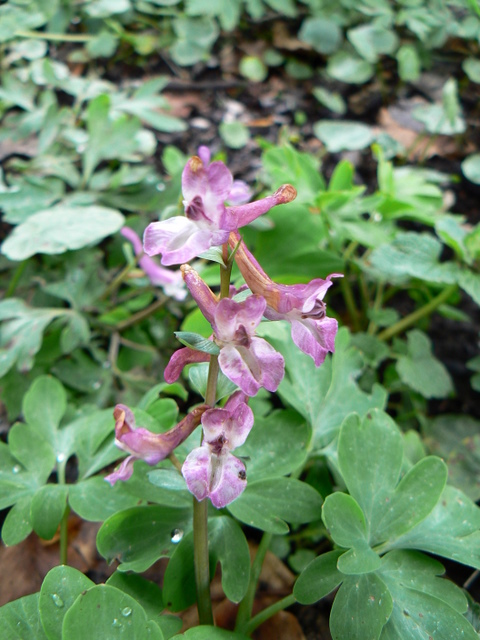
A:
[(363, 473)]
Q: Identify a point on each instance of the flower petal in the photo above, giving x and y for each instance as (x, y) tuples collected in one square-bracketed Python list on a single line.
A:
[(243, 214), (240, 193), (179, 239), (233, 365), (233, 422), (180, 359), (197, 471), (315, 337), (231, 315), (124, 471), (229, 480)]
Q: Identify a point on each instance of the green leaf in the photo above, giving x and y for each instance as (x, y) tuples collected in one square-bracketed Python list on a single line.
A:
[(424, 605), (415, 255), (267, 504), (60, 588), (414, 498), (47, 508), (139, 536), (17, 525), (145, 592), (451, 530), (471, 66), (371, 41), (456, 438), (344, 519), (95, 500), (234, 134), (20, 620), (32, 450), (194, 38), (471, 168), (253, 68), (198, 376), (179, 588), (340, 136), (362, 603), (197, 342), (322, 34), (44, 405), (276, 446), (350, 68), (61, 228), (22, 333), (331, 100), (359, 559), (108, 608), (319, 578), (409, 63), (228, 546), (327, 394), (287, 165), (420, 370), (370, 453)]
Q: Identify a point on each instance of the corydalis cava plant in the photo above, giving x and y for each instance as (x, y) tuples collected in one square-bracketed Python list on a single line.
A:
[(207, 221)]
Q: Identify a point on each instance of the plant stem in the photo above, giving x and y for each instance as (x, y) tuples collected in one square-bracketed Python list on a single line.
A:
[(17, 274), (350, 302), (201, 561), (246, 605), (60, 37), (416, 315), (140, 315), (200, 509), (64, 521), (119, 278), (267, 613)]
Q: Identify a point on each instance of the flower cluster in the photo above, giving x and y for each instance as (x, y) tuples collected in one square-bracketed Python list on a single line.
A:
[(250, 362)]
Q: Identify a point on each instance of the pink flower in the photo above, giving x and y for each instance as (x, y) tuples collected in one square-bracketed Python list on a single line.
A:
[(142, 444), (170, 281), (300, 304), (211, 471), (240, 191), (207, 220), (247, 360)]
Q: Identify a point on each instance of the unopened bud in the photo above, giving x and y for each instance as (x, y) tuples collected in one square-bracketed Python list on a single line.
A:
[(285, 193)]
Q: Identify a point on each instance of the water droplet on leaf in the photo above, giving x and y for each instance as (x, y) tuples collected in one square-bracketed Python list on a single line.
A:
[(126, 611), (177, 535), (60, 457), (57, 601), (16, 469), (116, 623)]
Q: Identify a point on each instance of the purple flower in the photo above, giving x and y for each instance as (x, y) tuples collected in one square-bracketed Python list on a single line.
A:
[(207, 221), (300, 304), (142, 444), (248, 361), (170, 281), (240, 191), (211, 471)]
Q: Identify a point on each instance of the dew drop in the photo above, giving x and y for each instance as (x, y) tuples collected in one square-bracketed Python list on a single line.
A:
[(116, 623), (177, 535), (96, 385), (57, 601), (160, 187), (61, 457), (126, 611), (16, 469)]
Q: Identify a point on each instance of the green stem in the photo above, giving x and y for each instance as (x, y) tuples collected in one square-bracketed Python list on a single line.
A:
[(201, 561), (246, 605), (412, 318), (350, 302), (267, 613), (60, 37), (372, 327), (117, 281), (200, 509), (64, 521), (140, 315), (17, 274)]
